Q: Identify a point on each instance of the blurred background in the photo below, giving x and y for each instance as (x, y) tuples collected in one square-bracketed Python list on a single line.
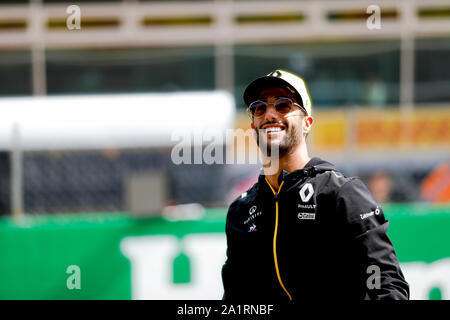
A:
[(91, 93)]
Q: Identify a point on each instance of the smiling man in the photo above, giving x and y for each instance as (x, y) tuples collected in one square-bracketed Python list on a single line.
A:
[(303, 231)]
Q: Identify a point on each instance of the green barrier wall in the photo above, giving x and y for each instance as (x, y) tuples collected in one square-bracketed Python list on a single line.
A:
[(35, 254)]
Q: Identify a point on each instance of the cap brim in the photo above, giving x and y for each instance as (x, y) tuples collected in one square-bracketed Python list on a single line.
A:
[(253, 90)]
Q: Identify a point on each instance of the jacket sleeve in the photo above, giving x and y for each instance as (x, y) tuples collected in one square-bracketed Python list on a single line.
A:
[(230, 275), (226, 273), (375, 256), (226, 269)]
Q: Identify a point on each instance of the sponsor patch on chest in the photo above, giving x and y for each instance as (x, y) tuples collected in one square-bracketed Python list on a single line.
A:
[(253, 213), (307, 207), (306, 216)]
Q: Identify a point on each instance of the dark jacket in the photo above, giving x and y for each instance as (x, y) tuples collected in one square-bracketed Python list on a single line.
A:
[(326, 240)]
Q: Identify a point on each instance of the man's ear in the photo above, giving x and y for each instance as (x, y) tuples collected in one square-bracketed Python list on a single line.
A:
[(308, 123)]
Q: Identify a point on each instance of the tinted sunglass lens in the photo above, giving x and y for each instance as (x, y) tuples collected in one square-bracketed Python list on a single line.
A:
[(283, 105), (258, 108)]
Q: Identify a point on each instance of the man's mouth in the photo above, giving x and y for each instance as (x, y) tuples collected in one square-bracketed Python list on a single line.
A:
[(272, 129)]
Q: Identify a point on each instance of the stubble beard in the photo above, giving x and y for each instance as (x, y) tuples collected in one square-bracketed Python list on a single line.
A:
[(289, 142)]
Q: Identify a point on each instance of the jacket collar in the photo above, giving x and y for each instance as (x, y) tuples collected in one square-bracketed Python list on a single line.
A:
[(315, 165)]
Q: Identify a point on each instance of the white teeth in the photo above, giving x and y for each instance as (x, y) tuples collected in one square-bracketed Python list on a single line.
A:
[(273, 129)]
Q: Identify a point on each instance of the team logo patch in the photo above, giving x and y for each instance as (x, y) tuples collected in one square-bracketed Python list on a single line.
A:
[(306, 216), (253, 214), (275, 73), (306, 192)]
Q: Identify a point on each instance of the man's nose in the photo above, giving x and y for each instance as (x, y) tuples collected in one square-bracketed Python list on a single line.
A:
[(271, 113)]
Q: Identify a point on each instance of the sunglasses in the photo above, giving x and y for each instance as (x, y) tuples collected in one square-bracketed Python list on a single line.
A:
[(282, 105)]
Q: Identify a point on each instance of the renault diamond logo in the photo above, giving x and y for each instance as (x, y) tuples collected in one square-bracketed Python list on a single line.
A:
[(306, 192)]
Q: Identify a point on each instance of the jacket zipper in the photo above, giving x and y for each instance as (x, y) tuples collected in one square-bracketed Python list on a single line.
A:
[(275, 238)]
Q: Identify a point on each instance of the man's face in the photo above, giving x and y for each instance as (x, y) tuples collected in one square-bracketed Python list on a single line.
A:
[(283, 131)]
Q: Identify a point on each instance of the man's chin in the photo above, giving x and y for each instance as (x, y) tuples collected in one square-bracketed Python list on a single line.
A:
[(272, 144), (270, 150)]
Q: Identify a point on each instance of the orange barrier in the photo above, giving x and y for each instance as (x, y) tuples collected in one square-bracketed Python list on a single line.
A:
[(365, 129)]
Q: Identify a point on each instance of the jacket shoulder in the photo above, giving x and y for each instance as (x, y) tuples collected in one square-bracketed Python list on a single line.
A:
[(244, 199), (332, 181)]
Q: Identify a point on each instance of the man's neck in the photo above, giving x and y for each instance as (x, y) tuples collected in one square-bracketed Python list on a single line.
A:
[(293, 161)]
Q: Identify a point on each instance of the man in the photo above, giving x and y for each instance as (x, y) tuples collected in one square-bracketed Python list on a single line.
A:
[(304, 231)]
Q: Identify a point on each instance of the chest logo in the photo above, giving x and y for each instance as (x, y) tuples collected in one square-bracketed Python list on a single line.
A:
[(306, 192), (252, 214), (306, 216)]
